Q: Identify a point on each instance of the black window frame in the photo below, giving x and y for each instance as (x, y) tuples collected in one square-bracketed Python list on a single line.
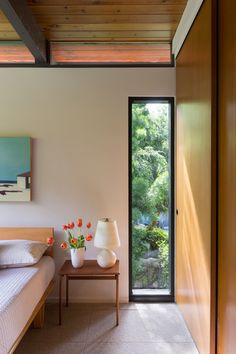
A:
[(154, 298)]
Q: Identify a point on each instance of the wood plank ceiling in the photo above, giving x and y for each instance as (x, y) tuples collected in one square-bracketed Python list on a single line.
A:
[(134, 24)]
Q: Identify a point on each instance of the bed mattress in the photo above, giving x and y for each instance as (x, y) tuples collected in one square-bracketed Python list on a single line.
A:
[(20, 291)]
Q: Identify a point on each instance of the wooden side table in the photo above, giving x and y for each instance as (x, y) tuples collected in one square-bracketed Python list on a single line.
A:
[(90, 271)]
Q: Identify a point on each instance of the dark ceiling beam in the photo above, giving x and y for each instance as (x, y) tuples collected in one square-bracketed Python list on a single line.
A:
[(19, 15)]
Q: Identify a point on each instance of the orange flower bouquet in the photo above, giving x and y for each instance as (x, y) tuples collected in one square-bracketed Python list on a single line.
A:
[(76, 241), (75, 238)]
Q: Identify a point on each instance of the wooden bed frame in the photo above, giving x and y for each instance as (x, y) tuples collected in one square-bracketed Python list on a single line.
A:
[(35, 234)]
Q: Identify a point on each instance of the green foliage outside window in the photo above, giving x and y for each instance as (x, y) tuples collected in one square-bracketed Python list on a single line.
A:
[(150, 181)]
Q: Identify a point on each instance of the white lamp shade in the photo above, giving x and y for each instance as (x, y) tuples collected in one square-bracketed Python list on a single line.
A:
[(107, 235)]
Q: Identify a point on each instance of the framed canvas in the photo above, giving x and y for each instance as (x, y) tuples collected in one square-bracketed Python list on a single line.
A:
[(15, 169)]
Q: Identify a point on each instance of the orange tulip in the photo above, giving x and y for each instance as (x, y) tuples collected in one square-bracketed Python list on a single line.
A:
[(80, 222), (73, 241), (63, 245), (65, 227), (89, 237), (50, 241), (71, 225), (89, 225)]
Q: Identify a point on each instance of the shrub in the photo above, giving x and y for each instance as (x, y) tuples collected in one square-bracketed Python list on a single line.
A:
[(150, 250)]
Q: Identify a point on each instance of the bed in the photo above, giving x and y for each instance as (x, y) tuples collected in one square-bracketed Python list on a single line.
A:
[(24, 290)]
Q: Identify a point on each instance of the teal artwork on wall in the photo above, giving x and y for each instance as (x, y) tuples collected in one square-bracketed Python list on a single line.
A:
[(15, 169)]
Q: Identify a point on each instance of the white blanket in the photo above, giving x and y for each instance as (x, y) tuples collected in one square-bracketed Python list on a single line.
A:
[(20, 291)]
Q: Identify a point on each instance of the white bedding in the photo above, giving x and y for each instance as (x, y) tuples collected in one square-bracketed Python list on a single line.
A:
[(20, 291)]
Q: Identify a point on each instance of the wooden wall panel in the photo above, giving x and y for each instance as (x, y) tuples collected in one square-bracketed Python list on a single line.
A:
[(15, 52), (195, 269), (227, 179), (110, 53)]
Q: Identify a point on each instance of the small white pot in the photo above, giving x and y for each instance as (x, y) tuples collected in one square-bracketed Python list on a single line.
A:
[(77, 257)]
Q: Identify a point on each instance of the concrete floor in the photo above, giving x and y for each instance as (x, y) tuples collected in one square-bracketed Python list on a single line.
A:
[(90, 329)]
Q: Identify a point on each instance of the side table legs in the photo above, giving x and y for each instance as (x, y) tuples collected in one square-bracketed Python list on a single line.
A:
[(117, 299), (90, 271), (67, 291)]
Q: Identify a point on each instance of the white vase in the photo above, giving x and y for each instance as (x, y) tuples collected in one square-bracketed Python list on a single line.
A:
[(77, 257)]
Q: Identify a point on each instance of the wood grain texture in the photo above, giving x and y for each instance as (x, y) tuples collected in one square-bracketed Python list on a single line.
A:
[(195, 243), (39, 318), (227, 179), (37, 312), (28, 233), (20, 16), (110, 9), (101, 21), (35, 234), (90, 268), (110, 53), (105, 2), (8, 36), (11, 52), (120, 18), (7, 32), (52, 16), (110, 36)]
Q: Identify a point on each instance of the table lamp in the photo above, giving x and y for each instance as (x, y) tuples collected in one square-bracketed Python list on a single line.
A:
[(107, 238)]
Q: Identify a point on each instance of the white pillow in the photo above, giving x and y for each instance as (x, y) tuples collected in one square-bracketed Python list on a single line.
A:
[(20, 253)]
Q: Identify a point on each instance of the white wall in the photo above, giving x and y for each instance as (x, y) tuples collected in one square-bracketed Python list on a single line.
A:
[(78, 119)]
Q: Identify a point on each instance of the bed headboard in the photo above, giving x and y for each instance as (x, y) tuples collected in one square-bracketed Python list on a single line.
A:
[(28, 233)]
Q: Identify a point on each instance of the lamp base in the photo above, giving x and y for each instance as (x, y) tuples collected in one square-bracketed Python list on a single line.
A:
[(106, 258)]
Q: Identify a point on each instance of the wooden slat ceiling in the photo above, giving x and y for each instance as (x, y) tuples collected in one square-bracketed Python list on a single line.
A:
[(108, 20), (103, 21), (7, 32)]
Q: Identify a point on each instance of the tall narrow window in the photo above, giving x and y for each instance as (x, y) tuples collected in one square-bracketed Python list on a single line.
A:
[(151, 198)]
